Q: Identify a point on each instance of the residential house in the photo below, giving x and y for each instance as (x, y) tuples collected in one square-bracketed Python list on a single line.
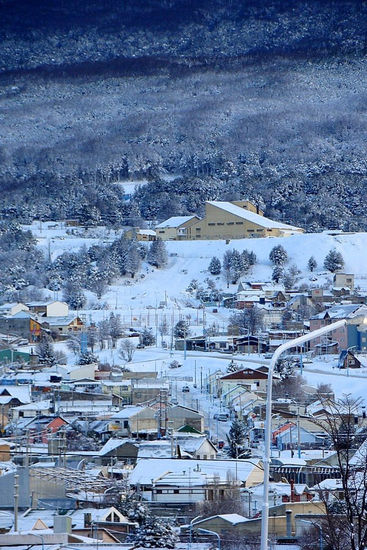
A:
[(344, 280), (349, 359), (121, 449), (22, 324), (62, 326), (186, 482), (252, 379), (12, 308), (343, 337), (134, 421), (288, 436), (176, 228), (49, 309), (144, 235), (178, 416)]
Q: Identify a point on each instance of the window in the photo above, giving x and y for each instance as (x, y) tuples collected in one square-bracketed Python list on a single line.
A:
[(159, 491), (258, 229), (230, 223), (176, 492), (160, 231), (198, 228), (126, 423), (250, 231), (239, 223), (220, 223), (211, 223)]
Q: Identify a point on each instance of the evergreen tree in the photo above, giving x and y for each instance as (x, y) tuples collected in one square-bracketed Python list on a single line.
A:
[(278, 255), (215, 266), (181, 329), (312, 264), (236, 438), (87, 358), (133, 260), (277, 274), (154, 533), (74, 296), (45, 351), (233, 366), (146, 338), (134, 509), (334, 261), (157, 254)]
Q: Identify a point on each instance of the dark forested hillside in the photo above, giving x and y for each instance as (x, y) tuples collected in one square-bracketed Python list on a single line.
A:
[(260, 99)]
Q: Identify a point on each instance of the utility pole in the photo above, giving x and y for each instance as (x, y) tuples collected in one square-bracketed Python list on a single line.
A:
[(298, 434), (16, 501)]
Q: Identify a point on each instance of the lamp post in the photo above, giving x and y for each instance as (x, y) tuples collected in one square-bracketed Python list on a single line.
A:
[(321, 538), (267, 444), (210, 533)]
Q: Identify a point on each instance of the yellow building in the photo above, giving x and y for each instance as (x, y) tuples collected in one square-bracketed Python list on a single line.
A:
[(176, 228), (224, 220), (236, 220)]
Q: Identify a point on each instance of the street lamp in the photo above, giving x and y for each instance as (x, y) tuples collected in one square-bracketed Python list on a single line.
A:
[(210, 533), (267, 443), (321, 538)]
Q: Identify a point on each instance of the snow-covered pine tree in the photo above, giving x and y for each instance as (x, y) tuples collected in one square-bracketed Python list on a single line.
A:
[(215, 266), (277, 274), (45, 351), (155, 533), (146, 338), (334, 261), (157, 254), (236, 438), (278, 255), (181, 329), (312, 264), (74, 296), (87, 358)]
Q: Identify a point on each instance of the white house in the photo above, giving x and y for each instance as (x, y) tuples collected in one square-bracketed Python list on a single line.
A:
[(190, 481)]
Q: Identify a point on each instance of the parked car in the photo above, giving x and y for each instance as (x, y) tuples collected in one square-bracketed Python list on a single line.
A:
[(185, 389), (222, 417)]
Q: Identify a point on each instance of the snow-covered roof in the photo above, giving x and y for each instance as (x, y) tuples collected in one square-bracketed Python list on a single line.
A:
[(251, 216), (21, 392), (128, 412), (112, 444), (342, 311), (361, 358), (147, 232), (63, 320), (185, 472), (232, 518), (175, 221), (328, 484), (35, 406)]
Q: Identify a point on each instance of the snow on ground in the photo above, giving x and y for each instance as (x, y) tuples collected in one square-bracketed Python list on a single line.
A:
[(161, 294)]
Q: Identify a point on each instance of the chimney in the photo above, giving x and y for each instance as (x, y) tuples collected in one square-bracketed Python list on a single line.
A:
[(288, 520), (62, 524), (87, 519)]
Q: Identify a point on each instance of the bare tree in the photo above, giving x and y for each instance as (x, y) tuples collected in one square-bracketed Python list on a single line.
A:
[(127, 350), (345, 524)]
